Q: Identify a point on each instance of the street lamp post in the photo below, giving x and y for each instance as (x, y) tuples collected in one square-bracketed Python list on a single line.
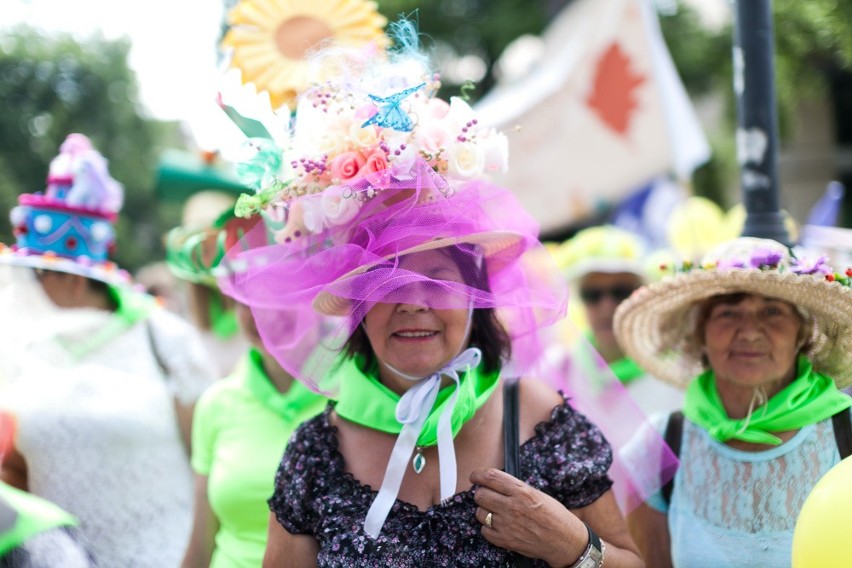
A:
[(757, 121)]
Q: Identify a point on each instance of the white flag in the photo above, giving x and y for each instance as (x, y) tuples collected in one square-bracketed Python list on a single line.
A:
[(602, 113)]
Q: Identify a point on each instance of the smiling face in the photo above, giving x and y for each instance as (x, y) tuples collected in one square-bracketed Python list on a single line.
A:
[(752, 341), (412, 337)]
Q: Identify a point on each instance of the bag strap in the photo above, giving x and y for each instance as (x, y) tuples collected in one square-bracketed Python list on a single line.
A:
[(511, 428), (842, 424), (149, 330), (511, 442), (672, 436)]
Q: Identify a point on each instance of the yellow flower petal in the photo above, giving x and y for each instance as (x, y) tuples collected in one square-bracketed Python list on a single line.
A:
[(269, 38)]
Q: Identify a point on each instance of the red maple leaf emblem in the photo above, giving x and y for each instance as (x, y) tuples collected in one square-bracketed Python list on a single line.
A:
[(613, 96)]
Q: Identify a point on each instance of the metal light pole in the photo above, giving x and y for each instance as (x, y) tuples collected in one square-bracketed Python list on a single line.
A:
[(757, 121)]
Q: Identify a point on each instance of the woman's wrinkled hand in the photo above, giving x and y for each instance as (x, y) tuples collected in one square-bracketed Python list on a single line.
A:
[(526, 520)]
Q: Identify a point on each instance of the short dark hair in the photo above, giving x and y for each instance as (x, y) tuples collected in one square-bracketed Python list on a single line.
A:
[(486, 331), (98, 287)]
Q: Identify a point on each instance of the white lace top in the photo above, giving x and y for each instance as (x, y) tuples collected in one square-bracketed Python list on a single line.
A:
[(49, 549), (735, 508), (100, 435)]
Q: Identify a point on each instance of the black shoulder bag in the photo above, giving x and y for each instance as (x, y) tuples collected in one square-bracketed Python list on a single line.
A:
[(511, 443)]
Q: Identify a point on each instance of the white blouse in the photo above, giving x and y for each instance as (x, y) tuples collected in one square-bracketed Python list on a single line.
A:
[(99, 432)]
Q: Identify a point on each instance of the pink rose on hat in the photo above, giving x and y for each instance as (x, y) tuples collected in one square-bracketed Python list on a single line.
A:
[(347, 166)]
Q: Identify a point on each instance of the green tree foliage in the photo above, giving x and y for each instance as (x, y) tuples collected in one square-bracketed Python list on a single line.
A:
[(471, 27), (53, 85), (813, 41)]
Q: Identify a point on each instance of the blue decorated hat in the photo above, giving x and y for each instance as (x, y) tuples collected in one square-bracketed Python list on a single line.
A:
[(70, 226)]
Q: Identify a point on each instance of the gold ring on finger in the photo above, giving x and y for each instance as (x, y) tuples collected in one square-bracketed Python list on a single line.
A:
[(488, 518)]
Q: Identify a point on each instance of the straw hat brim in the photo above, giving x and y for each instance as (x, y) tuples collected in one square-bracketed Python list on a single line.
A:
[(606, 266), (108, 273), (653, 324), (492, 243)]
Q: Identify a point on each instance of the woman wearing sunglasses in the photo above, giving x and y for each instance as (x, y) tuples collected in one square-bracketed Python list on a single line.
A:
[(604, 265)]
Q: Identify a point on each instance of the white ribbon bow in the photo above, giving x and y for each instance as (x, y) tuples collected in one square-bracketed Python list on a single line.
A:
[(412, 410)]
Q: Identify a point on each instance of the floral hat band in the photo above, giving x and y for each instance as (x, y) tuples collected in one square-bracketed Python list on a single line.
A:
[(377, 127), (655, 324)]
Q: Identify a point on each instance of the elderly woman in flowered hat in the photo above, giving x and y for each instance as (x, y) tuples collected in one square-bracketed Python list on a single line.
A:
[(761, 341), (410, 264)]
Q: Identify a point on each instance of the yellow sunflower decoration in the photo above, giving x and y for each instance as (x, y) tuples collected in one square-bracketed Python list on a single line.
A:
[(270, 39)]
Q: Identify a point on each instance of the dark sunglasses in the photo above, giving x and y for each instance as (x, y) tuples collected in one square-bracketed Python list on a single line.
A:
[(595, 295)]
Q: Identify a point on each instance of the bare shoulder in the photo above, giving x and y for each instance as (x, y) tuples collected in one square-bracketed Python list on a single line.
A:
[(537, 401), (538, 396)]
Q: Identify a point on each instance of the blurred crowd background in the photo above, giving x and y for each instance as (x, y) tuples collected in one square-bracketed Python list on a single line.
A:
[(52, 83)]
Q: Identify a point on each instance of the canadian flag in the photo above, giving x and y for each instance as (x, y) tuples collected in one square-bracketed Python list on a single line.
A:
[(602, 113)]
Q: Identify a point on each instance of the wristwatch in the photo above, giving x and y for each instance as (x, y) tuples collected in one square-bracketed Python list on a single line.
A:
[(592, 557)]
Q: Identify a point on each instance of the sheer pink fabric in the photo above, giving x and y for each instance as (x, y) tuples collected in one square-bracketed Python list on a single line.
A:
[(597, 393), (355, 264)]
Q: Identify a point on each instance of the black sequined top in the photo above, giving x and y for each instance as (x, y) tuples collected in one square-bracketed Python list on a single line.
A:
[(568, 458)]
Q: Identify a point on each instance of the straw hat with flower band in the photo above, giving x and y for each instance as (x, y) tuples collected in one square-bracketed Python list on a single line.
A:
[(654, 325)]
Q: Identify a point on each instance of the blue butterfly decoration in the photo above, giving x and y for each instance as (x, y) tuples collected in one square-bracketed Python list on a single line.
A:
[(390, 115)]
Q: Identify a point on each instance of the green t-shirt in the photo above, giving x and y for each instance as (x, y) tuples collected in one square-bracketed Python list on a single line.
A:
[(239, 432)]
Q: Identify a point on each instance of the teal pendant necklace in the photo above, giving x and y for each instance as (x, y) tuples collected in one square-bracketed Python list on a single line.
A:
[(364, 400), (419, 462)]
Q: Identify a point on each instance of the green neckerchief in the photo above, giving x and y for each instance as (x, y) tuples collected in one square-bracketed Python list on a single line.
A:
[(131, 307), (625, 369), (30, 516), (223, 322), (289, 405), (364, 400), (810, 398)]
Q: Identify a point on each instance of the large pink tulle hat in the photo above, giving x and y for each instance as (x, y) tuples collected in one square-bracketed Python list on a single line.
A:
[(376, 169)]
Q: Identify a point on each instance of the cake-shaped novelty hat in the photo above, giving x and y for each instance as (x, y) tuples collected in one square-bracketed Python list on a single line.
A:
[(69, 226)]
